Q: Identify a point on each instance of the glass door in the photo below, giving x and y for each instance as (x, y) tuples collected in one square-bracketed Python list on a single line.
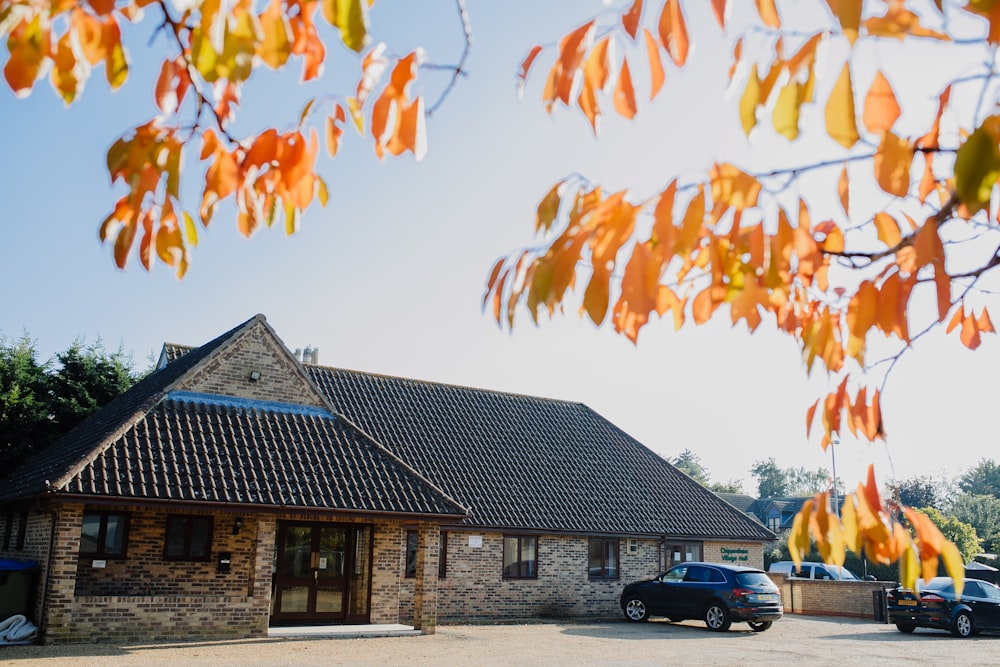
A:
[(310, 580)]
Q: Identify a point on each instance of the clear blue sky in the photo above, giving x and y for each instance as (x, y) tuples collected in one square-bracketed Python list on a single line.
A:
[(389, 277)]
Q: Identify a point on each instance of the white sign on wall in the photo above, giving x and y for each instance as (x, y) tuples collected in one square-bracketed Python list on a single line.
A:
[(476, 541)]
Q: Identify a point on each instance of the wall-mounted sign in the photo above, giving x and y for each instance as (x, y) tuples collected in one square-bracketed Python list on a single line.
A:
[(735, 555), (99, 564), (476, 541)]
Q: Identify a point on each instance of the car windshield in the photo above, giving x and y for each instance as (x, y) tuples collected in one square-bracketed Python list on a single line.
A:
[(752, 579), (843, 573)]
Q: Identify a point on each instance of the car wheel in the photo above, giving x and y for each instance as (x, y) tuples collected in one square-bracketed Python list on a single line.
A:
[(635, 610), (759, 626), (962, 625), (716, 617), (905, 627)]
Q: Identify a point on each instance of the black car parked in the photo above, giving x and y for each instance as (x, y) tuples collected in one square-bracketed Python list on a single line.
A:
[(717, 593), (937, 606)]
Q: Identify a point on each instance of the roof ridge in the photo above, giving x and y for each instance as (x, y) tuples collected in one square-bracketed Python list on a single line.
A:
[(450, 385)]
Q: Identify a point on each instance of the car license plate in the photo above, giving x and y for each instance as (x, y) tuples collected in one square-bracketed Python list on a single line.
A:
[(907, 603), (763, 597)]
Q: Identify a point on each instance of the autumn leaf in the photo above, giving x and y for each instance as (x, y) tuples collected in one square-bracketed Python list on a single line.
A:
[(673, 31), (840, 120), (977, 165), (848, 12), (892, 164), (624, 96), (630, 19), (656, 74), (843, 190), (881, 108)]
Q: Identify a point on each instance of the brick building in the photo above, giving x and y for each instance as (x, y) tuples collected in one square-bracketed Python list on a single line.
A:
[(236, 488)]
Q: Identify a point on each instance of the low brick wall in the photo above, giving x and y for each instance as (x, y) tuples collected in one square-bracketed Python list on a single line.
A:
[(130, 619), (828, 598)]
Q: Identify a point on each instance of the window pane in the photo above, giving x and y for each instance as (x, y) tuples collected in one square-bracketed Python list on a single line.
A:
[(443, 555), (411, 553), (91, 533), (595, 563), (611, 559), (175, 536), (201, 531), (114, 538), (510, 568), (527, 557)]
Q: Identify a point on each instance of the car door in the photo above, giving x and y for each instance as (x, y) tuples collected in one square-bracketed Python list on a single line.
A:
[(985, 602), (665, 598), (695, 589)]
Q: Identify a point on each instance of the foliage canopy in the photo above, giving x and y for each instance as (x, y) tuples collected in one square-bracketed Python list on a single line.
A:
[(874, 222)]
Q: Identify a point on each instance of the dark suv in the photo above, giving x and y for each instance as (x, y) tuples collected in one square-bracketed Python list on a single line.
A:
[(717, 593)]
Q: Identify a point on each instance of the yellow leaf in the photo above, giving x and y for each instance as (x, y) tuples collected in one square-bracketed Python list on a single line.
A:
[(749, 101), (849, 525), (977, 165), (892, 164), (275, 47), (190, 229), (840, 120), (595, 68), (351, 17), (954, 564), (881, 108), (785, 116)]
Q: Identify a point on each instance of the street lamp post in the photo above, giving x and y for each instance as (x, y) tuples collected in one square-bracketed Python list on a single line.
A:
[(833, 458)]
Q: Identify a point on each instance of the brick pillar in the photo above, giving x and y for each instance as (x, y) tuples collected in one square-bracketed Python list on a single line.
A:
[(61, 585), (425, 587), (265, 528)]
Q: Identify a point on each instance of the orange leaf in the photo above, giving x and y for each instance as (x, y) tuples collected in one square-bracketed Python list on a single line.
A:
[(843, 190), (881, 108), (848, 12), (656, 73), (526, 64), (888, 229), (892, 164), (768, 12), (595, 69), (719, 10), (630, 20), (624, 93), (571, 50), (673, 31), (810, 415)]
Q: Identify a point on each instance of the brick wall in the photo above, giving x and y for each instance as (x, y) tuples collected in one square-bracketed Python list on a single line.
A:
[(735, 553), (228, 373), (35, 548), (474, 590), (817, 597), (143, 597)]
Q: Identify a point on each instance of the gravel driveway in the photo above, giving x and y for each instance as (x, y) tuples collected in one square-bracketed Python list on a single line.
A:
[(793, 639)]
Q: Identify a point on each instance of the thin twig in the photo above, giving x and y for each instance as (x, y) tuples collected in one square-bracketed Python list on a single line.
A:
[(459, 69)]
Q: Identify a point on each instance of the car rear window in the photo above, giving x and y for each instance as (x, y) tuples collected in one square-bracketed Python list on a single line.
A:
[(753, 579)]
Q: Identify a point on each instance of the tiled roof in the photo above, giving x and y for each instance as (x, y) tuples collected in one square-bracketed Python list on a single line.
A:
[(521, 462), (202, 451), (740, 501), (51, 466), (152, 443)]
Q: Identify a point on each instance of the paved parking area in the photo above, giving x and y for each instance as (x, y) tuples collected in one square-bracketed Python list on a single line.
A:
[(792, 640)]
